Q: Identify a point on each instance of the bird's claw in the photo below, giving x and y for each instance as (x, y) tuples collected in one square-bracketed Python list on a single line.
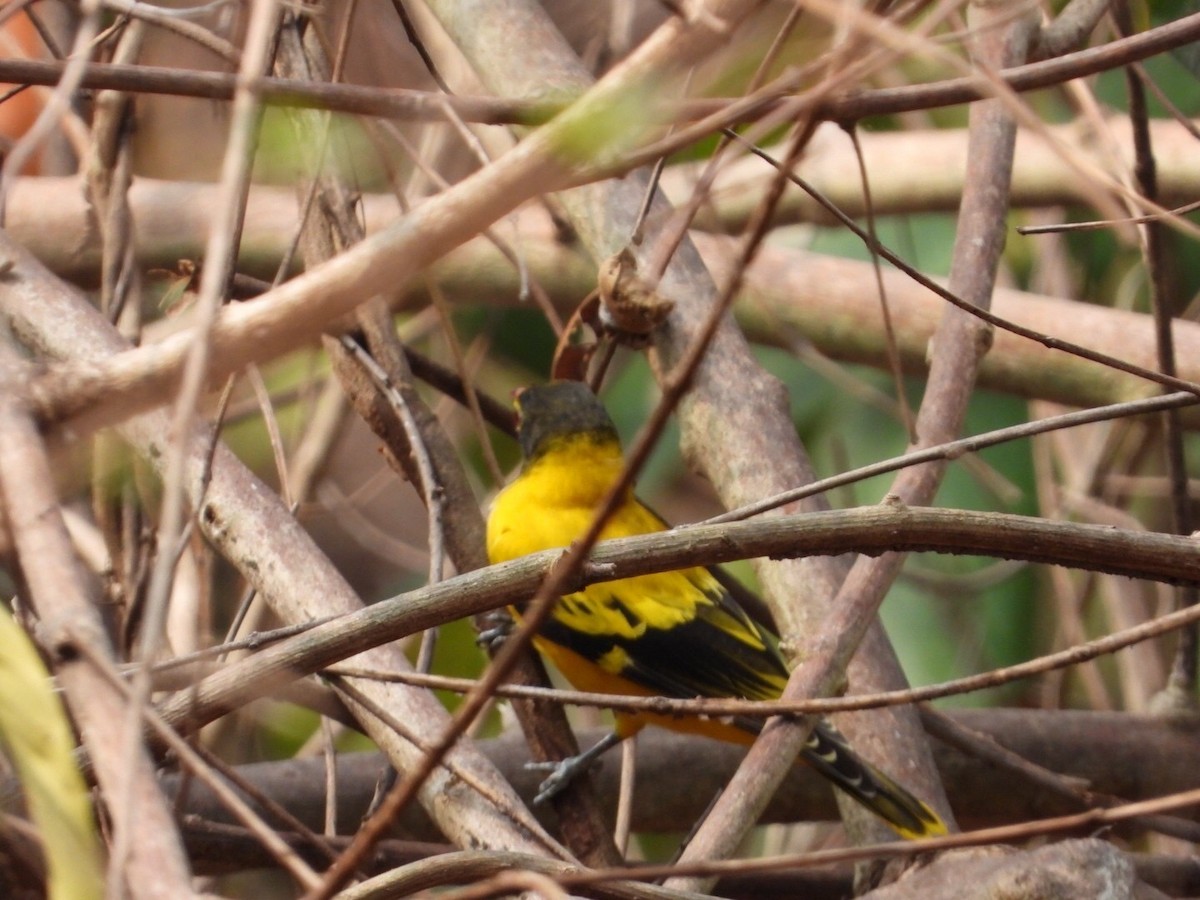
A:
[(562, 774), (500, 626)]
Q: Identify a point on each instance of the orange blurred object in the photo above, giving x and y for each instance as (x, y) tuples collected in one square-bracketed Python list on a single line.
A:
[(18, 112)]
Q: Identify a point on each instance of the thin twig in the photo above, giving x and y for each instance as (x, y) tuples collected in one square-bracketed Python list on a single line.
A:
[(893, 352), (763, 709), (71, 74), (1181, 683), (198, 766), (219, 256), (1075, 790), (431, 491), (983, 315), (410, 104), (170, 20), (826, 652)]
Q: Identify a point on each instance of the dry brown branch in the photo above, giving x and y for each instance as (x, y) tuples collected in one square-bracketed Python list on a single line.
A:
[(1071, 656), (825, 299), (381, 387), (481, 217), (178, 439), (64, 603), (1181, 687), (301, 307), (912, 171), (196, 766), (178, 25), (246, 521), (1131, 756), (1078, 868), (923, 170), (225, 848), (402, 104), (825, 637), (1052, 875), (734, 416), (868, 530)]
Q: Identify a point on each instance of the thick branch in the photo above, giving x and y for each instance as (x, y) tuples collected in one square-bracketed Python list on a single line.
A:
[(788, 294), (868, 530), (65, 605), (911, 171), (1130, 756), (252, 528)]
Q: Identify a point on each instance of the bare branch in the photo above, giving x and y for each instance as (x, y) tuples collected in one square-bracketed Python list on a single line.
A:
[(246, 521), (66, 608)]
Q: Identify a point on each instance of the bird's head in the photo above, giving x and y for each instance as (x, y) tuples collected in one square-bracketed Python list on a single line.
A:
[(547, 414)]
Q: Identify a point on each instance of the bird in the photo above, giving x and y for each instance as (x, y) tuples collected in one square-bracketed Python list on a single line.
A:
[(678, 634)]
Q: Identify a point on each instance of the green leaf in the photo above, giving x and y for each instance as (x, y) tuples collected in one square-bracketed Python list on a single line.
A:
[(34, 729)]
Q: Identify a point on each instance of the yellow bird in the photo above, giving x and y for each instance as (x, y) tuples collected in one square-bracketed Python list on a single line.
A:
[(674, 634)]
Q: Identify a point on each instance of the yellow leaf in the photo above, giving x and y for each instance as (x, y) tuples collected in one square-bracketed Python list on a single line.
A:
[(34, 730)]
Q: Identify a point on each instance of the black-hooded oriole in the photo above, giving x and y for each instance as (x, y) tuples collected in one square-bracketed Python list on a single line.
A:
[(674, 634)]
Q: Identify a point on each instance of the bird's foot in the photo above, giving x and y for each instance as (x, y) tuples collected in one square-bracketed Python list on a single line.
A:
[(564, 772), (499, 627)]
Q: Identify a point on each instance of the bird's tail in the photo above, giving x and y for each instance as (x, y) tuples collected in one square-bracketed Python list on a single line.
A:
[(828, 753)]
